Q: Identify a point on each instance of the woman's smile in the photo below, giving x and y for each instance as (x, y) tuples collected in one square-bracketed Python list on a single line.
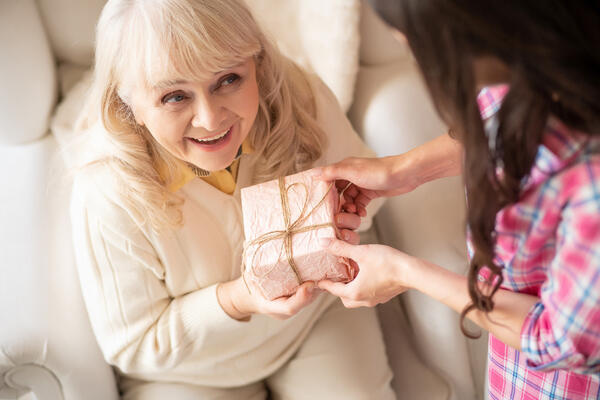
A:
[(214, 142)]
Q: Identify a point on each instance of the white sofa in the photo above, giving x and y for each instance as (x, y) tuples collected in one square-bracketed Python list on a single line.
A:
[(47, 349)]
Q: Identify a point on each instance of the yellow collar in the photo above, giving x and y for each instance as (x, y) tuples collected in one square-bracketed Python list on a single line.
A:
[(224, 179)]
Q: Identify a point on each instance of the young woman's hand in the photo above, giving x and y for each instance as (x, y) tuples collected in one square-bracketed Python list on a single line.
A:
[(347, 223), (368, 178), (380, 272), (365, 179), (240, 304)]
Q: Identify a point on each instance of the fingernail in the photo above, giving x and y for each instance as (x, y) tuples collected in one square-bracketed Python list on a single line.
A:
[(324, 242), (338, 219), (346, 235)]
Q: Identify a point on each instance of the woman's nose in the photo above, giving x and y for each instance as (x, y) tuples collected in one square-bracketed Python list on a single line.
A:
[(208, 115)]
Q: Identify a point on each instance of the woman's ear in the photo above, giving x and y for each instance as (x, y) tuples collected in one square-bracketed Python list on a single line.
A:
[(127, 100), (138, 119), (137, 114)]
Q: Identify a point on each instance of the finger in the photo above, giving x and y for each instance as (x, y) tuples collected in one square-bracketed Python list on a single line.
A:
[(292, 304), (304, 293), (361, 211), (328, 173), (335, 288), (317, 173), (354, 269), (351, 192), (351, 303), (339, 247), (349, 207), (350, 236), (347, 221), (301, 290), (363, 199)]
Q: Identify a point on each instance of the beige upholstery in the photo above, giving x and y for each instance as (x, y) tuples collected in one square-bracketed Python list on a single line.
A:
[(46, 343), (70, 26), (27, 74)]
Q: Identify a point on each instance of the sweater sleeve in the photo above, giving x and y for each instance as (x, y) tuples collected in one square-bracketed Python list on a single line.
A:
[(562, 331), (343, 141), (140, 326)]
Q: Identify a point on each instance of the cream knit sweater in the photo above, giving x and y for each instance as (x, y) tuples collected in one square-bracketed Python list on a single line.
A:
[(151, 297)]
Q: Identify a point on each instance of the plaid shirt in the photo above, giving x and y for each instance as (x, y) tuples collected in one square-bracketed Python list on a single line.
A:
[(548, 244)]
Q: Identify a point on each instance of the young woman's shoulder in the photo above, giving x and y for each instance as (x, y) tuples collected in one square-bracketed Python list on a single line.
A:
[(580, 182)]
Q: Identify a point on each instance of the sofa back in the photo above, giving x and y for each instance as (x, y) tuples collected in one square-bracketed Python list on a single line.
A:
[(48, 44), (27, 73)]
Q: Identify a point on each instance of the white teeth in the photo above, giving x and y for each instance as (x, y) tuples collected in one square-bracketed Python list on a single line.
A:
[(210, 139)]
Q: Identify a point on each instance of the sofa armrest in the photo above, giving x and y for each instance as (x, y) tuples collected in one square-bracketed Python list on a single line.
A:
[(45, 335), (34, 378), (27, 74)]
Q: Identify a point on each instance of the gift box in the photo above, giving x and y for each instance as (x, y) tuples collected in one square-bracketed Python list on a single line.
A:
[(283, 222)]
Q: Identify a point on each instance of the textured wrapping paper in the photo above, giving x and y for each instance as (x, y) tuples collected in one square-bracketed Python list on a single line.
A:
[(311, 206)]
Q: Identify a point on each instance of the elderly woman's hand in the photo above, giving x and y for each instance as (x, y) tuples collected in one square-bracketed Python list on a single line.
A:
[(240, 304)]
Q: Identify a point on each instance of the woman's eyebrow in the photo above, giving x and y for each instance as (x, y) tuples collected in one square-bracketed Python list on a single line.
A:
[(231, 67), (167, 83), (172, 82)]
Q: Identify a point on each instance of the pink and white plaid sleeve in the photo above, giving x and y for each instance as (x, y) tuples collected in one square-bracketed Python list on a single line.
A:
[(563, 330), (489, 99)]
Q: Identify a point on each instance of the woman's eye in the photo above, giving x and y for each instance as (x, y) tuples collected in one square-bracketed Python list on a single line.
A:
[(173, 98), (229, 80)]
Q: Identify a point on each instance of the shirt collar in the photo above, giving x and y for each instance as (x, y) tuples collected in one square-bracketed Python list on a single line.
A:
[(560, 146), (184, 173)]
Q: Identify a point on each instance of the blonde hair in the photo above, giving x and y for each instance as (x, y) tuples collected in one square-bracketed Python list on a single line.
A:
[(146, 39)]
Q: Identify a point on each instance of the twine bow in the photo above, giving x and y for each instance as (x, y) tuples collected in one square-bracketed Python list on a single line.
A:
[(291, 227)]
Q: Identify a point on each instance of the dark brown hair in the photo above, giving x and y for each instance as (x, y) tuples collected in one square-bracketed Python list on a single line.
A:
[(552, 51)]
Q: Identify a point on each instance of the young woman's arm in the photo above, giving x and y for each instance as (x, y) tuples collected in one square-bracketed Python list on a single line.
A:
[(386, 272), (510, 308), (558, 330), (395, 175)]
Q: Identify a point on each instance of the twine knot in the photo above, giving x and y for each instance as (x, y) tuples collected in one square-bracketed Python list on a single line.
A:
[(290, 227)]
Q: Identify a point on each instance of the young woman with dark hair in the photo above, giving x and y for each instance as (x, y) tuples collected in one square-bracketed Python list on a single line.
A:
[(518, 84)]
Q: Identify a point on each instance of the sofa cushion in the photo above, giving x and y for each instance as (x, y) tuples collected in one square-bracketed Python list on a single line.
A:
[(322, 36), (377, 45), (44, 320), (71, 28), (27, 74)]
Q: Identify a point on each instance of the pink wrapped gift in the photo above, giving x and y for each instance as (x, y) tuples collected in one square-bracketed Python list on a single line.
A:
[(283, 221)]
